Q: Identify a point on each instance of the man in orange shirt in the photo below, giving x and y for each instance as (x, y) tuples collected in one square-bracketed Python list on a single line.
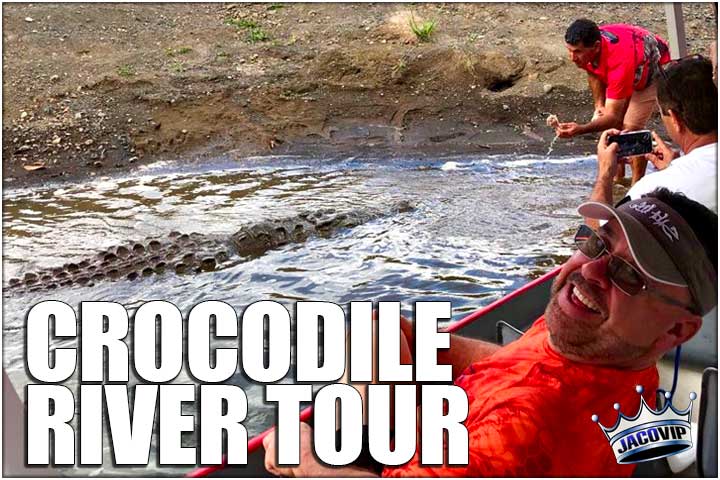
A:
[(634, 290)]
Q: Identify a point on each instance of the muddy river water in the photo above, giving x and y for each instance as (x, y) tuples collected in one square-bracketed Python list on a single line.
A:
[(482, 227)]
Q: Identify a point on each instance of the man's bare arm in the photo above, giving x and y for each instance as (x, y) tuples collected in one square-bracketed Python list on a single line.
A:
[(463, 352), (612, 117), (597, 88), (607, 164), (309, 465)]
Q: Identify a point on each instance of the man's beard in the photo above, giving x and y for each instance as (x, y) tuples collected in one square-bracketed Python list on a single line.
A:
[(588, 342)]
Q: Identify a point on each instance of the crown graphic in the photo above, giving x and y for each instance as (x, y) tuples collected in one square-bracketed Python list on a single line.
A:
[(650, 434)]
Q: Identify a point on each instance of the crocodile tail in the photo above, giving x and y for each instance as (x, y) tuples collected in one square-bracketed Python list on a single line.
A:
[(179, 253)]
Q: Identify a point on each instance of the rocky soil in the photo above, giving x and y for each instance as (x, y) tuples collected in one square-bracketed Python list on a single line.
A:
[(91, 89)]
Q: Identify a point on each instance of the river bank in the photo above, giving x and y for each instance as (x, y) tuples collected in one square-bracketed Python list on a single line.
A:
[(93, 89)]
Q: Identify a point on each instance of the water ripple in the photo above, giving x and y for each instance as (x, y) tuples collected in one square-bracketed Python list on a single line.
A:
[(482, 227)]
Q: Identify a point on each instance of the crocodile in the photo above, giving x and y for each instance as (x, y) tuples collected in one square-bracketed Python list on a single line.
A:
[(184, 253)]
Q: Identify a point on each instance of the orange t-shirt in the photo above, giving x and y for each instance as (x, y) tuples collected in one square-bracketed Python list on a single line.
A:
[(530, 414)]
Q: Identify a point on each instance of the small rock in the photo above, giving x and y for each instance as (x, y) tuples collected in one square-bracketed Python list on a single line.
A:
[(506, 107), (29, 19), (78, 115), (56, 140), (22, 148), (547, 88), (34, 166), (55, 78), (89, 141), (23, 115), (97, 164), (184, 131), (132, 159)]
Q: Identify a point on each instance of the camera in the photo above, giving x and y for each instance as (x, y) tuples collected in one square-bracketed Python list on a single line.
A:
[(632, 143)]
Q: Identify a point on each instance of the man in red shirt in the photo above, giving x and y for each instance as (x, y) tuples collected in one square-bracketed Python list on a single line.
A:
[(634, 290), (621, 61)]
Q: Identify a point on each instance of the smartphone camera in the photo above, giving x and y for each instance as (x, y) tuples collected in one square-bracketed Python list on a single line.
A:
[(632, 143)]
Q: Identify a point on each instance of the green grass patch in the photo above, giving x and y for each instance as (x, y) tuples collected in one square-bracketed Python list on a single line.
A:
[(240, 23), (171, 52), (275, 6), (126, 70), (257, 35), (177, 67), (422, 31), (399, 68)]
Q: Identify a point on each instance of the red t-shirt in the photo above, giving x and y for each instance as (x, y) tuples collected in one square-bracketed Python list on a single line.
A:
[(530, 414), (627, 56)]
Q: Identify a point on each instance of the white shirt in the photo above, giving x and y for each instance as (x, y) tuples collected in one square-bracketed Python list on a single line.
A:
[(694, 175)]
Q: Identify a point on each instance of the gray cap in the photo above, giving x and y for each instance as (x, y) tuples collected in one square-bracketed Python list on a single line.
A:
[(663, 246)]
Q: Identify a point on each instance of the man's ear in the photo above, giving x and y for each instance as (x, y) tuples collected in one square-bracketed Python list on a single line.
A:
[(683, 330), (676, 122)]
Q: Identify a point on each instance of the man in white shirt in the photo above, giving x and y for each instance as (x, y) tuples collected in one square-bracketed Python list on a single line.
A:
[(687, 97)]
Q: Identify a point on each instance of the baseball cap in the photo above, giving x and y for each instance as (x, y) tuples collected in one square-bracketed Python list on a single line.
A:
[(663, 245)]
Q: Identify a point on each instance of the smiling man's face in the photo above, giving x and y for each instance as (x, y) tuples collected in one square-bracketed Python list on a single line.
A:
[(590, 319)]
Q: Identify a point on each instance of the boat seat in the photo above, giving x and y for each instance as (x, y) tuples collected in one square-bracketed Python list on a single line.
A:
[(707, 448), (506, 333)]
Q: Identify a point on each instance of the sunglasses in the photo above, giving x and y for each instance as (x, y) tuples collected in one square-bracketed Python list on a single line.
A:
[(626, 277)]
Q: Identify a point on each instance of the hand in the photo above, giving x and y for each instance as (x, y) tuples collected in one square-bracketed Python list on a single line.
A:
[(552, 121), (309, 465), (607, 154), (407, 342), (662, 155), (567, 130)]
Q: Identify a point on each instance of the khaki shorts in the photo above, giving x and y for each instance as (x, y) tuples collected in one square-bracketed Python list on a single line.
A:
[(642, 106)]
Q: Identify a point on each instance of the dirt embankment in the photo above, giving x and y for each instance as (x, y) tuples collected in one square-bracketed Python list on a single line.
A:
[(93, 88)]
